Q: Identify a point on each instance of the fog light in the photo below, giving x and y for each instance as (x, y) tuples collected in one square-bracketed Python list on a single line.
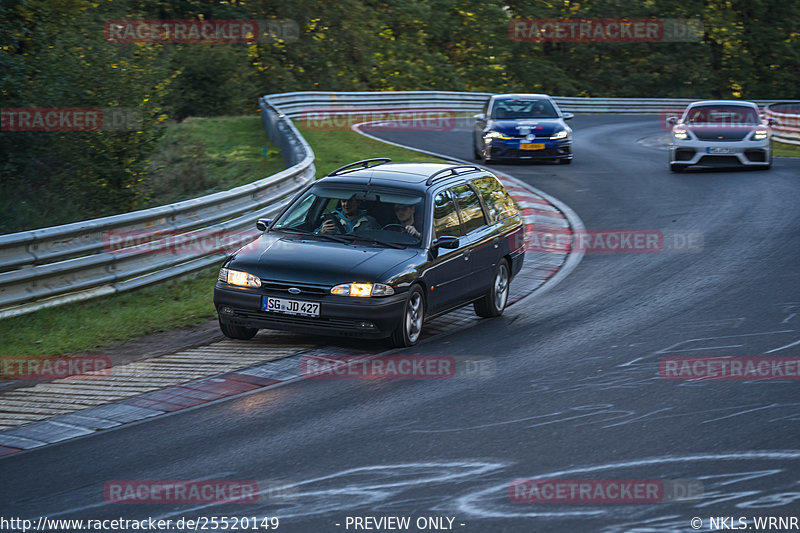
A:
[(226, 310), (365, 325)]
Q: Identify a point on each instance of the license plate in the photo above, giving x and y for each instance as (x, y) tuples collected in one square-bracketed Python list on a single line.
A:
[(719, 150), (289, 307), (531, 146)]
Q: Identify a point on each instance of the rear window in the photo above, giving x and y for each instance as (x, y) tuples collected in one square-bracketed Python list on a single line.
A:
[(496, 199)]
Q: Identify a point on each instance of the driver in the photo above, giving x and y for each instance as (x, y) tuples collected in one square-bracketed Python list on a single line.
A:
[(351, 216), (405, 216)]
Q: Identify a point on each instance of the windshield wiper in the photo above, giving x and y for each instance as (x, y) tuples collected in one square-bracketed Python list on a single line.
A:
[(357, 237), (336, 238)]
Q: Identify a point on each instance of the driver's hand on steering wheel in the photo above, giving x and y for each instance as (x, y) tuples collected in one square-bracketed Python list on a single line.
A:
[(328, 227), (411, 230)]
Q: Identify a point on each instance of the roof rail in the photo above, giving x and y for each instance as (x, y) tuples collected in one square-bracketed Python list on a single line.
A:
[(451, 170), (364, 163)]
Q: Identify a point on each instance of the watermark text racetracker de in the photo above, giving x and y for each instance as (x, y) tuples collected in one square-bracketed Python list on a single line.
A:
[(731, 368), (397, 367), (54, 367), (538, 238), (199, 242), (60, 119), (608, 30), (378, 118), (200, 31), (604, 490)]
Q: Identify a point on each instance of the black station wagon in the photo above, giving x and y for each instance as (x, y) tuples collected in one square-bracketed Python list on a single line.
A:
[(373, 250)]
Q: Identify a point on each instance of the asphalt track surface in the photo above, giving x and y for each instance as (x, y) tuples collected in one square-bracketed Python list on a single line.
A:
[(576, 393)]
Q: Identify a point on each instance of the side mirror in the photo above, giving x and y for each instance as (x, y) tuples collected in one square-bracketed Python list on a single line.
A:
[(450, 243), (479, 116), (672, 120), (567, 116), (263, 223)]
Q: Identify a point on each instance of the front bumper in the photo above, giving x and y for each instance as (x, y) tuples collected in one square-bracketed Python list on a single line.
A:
[(339, 315), (739, 153), (510, 149)]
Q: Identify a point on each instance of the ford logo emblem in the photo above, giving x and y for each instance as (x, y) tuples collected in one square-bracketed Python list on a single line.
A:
[(294, 290)]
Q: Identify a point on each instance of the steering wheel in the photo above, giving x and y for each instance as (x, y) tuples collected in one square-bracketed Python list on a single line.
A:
[(394, 227), (337, 224)]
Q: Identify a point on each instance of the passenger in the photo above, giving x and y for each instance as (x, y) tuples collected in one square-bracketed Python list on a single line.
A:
[(351, 216), (405, 216)]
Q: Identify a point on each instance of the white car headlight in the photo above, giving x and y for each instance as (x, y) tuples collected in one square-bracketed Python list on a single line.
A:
[(362, 290), (559, 135), (239, 278), (680, 133), (495, 135), (760, 134)]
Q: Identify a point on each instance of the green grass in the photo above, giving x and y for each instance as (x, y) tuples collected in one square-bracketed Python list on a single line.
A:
[(785, 150), (334, 149), (200, 156), (235, 149), (233, 145), (87, 326)]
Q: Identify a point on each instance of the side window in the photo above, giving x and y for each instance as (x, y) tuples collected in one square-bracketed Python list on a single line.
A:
[(445, 218), (469, 207), (496, 199)]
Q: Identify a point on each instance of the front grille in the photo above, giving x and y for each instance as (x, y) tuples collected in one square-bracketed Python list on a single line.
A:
[(719, 160), (722, 136), (319, 322), (305, 289), (516, 152), (534, 136)]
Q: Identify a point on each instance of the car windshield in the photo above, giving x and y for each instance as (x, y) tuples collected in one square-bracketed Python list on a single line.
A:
[(380, 217), (512, 109), (721, 115)]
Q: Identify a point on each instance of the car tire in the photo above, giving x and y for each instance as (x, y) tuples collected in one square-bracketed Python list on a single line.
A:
[(565, 161), (476, 153), (237, 332), (496, 298), (677, 168), (409, 330)]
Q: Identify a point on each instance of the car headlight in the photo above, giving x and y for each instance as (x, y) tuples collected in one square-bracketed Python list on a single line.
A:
[(680, 133), (239, 278), (495, 135), (760, 134), (559, 135), (362, 290)]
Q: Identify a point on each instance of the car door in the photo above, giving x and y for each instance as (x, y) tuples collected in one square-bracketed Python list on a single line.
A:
[(479, 239), (450, 268)]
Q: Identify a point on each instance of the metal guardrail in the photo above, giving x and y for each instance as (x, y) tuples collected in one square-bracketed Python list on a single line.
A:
[(50, 266), (785, 117), (296, 103)]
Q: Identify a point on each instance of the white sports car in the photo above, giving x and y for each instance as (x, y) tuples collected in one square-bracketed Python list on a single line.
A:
[(720, 133)]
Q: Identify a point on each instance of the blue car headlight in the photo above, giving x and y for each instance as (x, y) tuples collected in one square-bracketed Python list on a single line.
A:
[(559, 135)]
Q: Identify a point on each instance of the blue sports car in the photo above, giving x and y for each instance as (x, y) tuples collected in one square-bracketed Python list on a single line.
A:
[(522, 126)]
